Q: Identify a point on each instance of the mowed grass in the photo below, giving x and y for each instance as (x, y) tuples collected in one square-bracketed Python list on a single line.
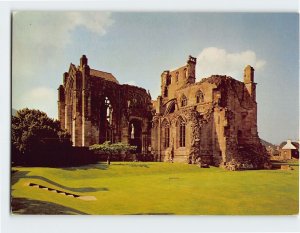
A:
[(125, 188)]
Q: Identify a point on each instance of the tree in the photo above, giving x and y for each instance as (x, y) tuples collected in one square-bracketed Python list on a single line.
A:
[(111, 149), (33, 132)]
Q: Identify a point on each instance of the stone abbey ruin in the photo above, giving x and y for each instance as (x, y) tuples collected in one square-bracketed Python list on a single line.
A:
[(213, 121)]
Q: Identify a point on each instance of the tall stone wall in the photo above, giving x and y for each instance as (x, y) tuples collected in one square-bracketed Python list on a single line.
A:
[(94, 108), (213, 121), (220, 115)]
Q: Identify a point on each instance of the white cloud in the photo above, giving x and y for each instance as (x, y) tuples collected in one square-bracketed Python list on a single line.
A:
[(39, 43), (218, 61), (53, 29), (95, 22), (39, 38), (42, 98)]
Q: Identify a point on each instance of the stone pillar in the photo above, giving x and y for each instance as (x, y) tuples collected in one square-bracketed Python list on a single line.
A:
[(76, 120), (191, 69), (158, 106), (154, 137), (68, 117), (86, 107), (86, 118), (61, 106), (124, 130), (159, 140), (164, 82), (249, 81)]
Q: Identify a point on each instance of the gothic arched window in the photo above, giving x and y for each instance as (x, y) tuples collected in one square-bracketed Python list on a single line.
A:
[(181, 132), (176, 76), (108, 120), (166, 134), (199, 97), (183, 101), (109, 110), (168, 81), (166, 92)]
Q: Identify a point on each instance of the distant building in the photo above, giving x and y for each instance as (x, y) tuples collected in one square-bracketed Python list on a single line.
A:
[(289, 150), (274, 152)]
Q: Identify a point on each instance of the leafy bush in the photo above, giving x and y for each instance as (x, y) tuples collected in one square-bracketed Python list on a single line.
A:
[(118, 149), (35, 137)]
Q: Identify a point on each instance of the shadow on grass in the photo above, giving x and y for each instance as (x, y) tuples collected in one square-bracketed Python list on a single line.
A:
[(153, 214), (16, 175), (130, 165), (32, 207), (23, 174), (101, 166)]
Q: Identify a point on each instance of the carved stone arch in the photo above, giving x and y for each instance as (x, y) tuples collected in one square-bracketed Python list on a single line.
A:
[(180, 119), (170, 106), (165, 132), (165, 122), (183, 100), (155, 123), (135, 133), (199, 96), (103, 109), (180, 131)]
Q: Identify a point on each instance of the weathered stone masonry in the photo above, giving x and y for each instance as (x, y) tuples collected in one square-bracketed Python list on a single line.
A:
[(93, 107), (213, 121)]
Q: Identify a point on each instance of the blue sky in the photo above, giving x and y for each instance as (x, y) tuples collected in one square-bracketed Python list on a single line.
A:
[(137, 47)]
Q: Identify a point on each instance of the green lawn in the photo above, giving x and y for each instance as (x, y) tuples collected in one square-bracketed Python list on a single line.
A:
[(155, 188)]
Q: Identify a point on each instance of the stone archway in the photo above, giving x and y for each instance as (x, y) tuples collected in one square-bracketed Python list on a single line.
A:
[(106, 121), (135, 134)]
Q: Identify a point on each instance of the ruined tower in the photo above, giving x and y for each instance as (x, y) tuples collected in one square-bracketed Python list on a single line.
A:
[(213, 121), (249, 81)]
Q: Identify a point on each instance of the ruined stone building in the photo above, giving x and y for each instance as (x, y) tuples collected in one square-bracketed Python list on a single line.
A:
[(93, 107), (213, 121)]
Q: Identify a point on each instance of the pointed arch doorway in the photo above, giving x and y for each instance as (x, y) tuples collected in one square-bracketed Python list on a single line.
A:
[(135, 134)]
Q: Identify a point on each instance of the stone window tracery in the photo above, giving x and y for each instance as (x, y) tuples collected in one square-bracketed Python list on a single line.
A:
[(168, 81), (132, 132), (166, 92), (108, 120), (199, 97), (166, 134), (181, 132), (109, 110), (183, 101)]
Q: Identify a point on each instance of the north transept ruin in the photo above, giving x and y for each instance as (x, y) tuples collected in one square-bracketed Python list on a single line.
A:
[(93, 107)]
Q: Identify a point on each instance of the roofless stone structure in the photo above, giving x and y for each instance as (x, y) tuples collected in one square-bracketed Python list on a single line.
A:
[(93, 107), (212, 122)]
